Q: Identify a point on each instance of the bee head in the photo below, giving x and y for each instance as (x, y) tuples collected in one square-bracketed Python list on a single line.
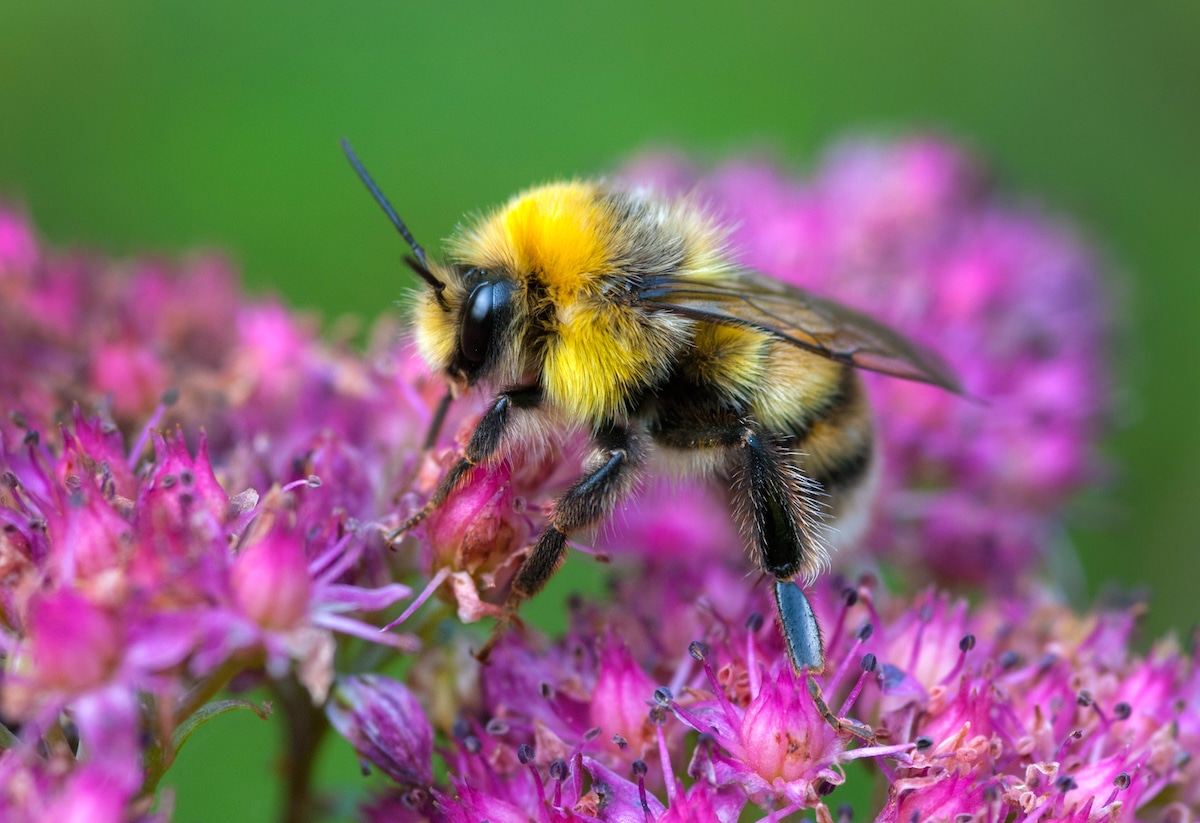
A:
[(463, 317), (464, 329)]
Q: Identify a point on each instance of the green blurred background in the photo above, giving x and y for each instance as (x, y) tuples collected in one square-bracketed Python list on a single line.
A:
[(136, 126)]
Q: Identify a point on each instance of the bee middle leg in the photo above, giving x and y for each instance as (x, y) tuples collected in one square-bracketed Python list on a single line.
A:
[(609, 473)]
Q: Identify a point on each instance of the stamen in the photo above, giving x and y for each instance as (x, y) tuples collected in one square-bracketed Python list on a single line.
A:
[(698, 648), (639, 769), (559, 771), (169, 398), (1072, 738), (965, 645), (335, 561), (430, 588), (311, 482), (849, 600), (867, 664), (860, 637), (525, 754)]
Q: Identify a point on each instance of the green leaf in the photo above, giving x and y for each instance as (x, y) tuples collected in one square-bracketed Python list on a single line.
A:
[(8, 740), (207, 712)]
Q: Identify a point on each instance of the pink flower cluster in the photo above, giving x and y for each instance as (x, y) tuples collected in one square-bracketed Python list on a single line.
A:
[(194, 488), (163, 521), (1015, 710)]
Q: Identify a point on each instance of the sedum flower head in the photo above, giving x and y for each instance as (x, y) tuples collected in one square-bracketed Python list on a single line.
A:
[(194, 489)]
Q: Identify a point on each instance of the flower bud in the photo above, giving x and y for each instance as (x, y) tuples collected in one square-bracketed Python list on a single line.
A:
[(478, 527), (385, 724), (271, 583)]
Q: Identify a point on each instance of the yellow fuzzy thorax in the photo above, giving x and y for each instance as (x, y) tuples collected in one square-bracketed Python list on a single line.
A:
[(561, 231)]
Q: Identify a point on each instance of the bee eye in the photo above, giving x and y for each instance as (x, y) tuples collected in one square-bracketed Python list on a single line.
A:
[(479, 320)]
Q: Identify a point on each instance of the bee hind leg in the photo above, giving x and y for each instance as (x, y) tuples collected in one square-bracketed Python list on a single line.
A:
[(781, 518), (609, 474)]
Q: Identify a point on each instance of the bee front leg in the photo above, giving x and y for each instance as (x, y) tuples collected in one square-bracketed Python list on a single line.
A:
[(484, 443), (609, 474)]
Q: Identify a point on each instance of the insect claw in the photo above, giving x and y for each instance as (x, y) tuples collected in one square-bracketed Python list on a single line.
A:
[(393, 537), (505, 620), (842, 725)]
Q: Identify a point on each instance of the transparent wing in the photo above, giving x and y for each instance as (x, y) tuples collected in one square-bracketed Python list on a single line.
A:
[(798, 317)]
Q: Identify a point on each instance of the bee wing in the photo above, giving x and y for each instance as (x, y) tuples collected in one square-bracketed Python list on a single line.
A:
[(801, 318)]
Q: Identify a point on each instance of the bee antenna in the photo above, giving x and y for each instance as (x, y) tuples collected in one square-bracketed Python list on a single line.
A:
[(420, 265)]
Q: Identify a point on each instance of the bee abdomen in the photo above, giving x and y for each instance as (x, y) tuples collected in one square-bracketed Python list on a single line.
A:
[(837, 444)]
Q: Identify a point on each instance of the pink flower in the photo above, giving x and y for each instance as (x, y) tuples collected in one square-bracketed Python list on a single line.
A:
[(76, 644), (271, 582)]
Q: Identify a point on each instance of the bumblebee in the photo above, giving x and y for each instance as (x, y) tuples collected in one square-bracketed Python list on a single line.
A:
[(592, 305)]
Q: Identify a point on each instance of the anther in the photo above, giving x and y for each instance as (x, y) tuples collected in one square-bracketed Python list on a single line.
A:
[(170, 397), (559, 770), (1122, 780), (698, 650), (754, 622), (864, 634), (924, 742), (496, 727), (1122, 711), (663, 696), (472, 744), (525, 754), (658, 716), (639, 768), (967, 643), (868, 662), (1066, 783), (619, 742)]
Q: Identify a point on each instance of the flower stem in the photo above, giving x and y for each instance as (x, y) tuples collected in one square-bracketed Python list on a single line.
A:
[(207, 689), (304, 730)]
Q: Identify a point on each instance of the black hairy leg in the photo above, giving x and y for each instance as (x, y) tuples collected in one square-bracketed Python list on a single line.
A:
[(609, 474), (781, 515), (484, 443)]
